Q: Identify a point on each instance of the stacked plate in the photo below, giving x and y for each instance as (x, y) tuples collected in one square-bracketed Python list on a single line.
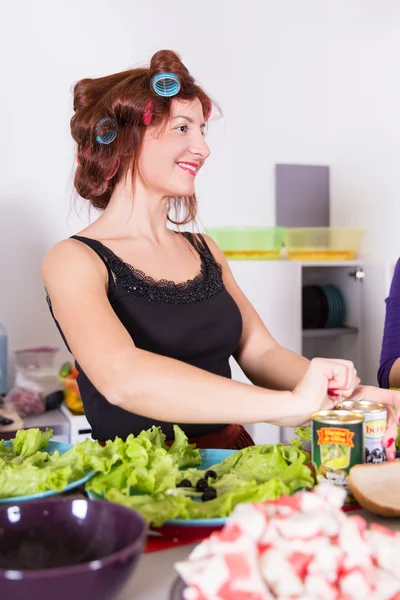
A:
[(323, 307)]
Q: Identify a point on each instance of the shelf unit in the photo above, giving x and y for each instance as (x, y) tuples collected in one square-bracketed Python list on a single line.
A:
[(275, 290), (327, 333)]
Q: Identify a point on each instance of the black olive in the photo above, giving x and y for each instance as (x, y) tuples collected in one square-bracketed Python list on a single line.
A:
[(209, 493), (184, 483), (201, 484), (211, 474)]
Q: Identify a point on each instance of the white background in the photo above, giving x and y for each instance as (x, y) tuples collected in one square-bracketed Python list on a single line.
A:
[(308, 81)]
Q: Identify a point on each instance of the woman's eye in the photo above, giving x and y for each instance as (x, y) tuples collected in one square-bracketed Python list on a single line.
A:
[(182, 128)]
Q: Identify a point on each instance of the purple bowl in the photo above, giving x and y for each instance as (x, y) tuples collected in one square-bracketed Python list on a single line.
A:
[(68, 548)]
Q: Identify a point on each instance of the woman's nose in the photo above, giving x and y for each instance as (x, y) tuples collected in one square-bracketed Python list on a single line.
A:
[(200, 148)]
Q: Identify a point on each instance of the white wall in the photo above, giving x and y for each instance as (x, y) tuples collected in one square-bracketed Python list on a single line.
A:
[(305, 82)]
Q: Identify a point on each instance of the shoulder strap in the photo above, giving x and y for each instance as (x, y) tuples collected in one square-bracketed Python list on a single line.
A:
[(199, 243), (102, 252)]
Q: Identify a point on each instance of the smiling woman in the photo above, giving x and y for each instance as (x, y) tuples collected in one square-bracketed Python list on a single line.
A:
[(122, 114), (151, 314), (173, 164)]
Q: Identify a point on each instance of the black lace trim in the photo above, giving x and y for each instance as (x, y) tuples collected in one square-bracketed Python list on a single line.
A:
[(134, 281), (205, 285)]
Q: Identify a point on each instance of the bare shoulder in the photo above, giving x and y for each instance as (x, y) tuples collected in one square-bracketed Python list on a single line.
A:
[(69, 257)]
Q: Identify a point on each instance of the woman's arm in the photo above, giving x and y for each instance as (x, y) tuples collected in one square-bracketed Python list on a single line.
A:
[(389, 368), (262, 359), (136, 380)]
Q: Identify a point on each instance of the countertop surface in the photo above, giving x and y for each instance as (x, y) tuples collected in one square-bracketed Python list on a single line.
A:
[(52, 418)]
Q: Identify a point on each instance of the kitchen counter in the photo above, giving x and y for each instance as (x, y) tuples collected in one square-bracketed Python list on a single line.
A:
[(155, 574), (52, 418)]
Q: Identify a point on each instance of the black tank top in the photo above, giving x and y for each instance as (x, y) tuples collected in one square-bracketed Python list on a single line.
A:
[(197, 322)]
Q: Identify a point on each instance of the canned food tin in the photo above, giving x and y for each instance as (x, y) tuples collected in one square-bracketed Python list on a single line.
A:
[(337, 445), (375, 419)]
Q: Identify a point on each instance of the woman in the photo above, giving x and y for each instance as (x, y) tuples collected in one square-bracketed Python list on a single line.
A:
[(153, 315), (389, 368)]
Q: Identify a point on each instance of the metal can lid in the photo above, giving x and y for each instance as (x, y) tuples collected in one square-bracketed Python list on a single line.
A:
[(364, 406), (338, 417)]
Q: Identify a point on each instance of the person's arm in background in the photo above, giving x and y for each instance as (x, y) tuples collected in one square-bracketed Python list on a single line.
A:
[(389, 367)]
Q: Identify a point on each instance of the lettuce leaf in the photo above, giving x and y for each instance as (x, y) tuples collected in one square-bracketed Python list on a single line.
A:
[(158, 509), (161, 473), (223, 505), (143, 473), (183, 453), (254, 474), (31, 479), (144, 464), (29, 441), (154, 509), (258, 463), (303, 433), (27, 468), (117, 478)]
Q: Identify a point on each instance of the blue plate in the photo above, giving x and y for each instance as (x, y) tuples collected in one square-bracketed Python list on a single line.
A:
[(51, 448), (209, 457)]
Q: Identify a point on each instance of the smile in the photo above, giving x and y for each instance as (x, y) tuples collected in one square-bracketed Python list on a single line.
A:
[(188, 167)]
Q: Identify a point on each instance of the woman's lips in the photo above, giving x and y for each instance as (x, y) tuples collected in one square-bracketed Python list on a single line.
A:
[(190, 168)]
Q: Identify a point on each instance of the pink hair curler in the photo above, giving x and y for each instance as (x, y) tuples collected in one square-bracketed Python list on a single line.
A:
[(115, 169), (148, 117)]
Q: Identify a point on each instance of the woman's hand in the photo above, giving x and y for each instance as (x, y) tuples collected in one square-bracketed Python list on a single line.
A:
[(392, 399), (324, 383)]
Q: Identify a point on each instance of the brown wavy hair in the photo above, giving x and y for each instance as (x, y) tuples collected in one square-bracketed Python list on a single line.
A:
[(123, 98)]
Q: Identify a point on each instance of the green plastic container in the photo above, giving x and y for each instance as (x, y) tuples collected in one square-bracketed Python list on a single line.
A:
[(323, 243), (249, 243)]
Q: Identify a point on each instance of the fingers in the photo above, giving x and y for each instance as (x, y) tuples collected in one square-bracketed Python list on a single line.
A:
[(389, 397), (351, 377), (390, 435), (392, 399), (329, 403), (341, 375)]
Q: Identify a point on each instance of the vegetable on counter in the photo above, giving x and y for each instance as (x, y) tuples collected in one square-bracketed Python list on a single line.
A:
[(161, 482), (68, 369), (303, 433), (26, 467), (149, 480), (68, 374)]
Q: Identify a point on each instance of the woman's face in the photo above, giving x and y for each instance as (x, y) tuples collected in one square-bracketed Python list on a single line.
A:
[(170, 158)]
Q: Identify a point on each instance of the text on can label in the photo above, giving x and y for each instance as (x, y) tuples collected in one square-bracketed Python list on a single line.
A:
[(375, 429), (335, 435)]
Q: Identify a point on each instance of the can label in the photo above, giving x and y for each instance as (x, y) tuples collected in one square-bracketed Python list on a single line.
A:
[(374, 428), (336, 447), (375, 419)]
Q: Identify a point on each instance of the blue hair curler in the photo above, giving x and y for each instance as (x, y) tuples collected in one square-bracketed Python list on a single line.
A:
[(166, 84), (108, 136)]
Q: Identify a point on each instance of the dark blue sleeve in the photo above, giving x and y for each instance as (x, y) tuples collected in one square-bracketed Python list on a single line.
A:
[(391, 335)]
